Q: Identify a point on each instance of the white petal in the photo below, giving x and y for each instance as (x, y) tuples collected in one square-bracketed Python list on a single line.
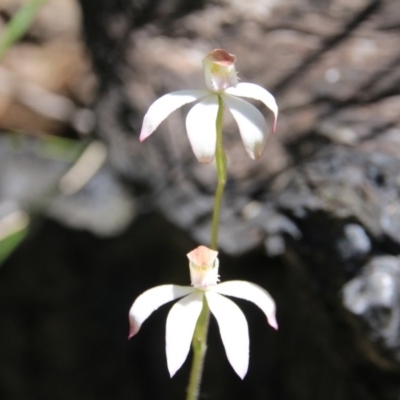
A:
[(164, 106), (256, 92), (251, 123), (201, 125), (181, 323), (152, 299), (234, 331), (251, 292)]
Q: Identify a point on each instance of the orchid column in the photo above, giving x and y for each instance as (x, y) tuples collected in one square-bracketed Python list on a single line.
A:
[(189, 317)]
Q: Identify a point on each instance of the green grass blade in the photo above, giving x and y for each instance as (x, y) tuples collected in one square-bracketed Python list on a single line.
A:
[(19, 24), (13, 230)]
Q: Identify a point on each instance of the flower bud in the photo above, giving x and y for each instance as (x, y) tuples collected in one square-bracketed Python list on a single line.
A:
[(219, 69), (203, 264)]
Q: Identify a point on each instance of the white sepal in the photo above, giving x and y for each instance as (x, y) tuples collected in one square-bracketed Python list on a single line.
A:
[(251, 123), (181, 323), (201, 128), (233, 329), (256, 92), (164, 106), (251, 292), (152, 299)]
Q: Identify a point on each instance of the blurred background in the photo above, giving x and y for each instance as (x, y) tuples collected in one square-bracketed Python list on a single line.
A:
[(90, 218)]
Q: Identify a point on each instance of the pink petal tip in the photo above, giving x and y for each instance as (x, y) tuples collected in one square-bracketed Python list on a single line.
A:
[(133, 328), (131, 334), (143, 137), (272, 321), (274, 126)]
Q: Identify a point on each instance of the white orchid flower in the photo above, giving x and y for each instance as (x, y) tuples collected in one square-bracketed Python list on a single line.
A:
[(182, 318), (222, 82)]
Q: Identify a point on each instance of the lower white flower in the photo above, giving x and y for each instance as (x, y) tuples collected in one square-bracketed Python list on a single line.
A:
[(182, 318)]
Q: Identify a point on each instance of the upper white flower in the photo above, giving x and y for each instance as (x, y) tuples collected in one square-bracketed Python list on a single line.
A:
[(182, 318), (221, 80)]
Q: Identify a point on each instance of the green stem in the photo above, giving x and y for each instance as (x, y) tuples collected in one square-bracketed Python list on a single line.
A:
[(199, 343), (221, 170), (199, 346), (19, 24)]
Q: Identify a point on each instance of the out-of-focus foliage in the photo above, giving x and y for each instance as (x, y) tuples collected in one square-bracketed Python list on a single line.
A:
[(10, 242), (19, 24), (15, 223), (16, 28)]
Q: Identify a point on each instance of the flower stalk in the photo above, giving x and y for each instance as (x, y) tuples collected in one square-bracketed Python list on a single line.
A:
[(199, 346), (199, 343), (221, 170)]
